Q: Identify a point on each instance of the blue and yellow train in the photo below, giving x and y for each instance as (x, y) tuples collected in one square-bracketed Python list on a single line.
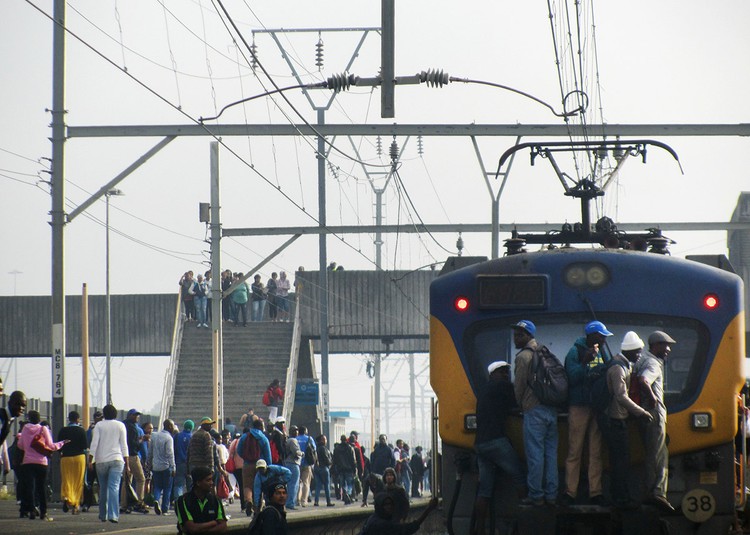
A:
[(562, 288)]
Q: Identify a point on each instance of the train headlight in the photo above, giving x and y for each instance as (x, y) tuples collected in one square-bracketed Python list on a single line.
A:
[(586, 274), (470, 422), (701, 421)]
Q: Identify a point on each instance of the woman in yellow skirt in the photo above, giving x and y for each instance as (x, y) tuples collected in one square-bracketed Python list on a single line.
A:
[(73, 463)]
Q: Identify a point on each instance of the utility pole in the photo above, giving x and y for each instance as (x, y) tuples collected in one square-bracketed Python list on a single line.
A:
[(216, 323), (58, 226), (412, 400)]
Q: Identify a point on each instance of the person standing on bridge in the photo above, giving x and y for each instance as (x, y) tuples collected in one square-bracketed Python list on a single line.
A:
[(282, 296), (240, 297), (259, 297)]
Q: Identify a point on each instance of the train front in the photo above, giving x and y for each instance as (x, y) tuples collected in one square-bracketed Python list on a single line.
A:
[(561, 290)]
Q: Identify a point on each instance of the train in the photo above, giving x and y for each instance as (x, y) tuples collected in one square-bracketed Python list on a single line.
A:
[(630, 283)]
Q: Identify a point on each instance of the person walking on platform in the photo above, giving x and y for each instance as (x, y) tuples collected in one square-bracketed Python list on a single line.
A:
[(72, 463), (182, 474), (345, 463), (109, 452), (161, 457), (292, 462), (382, 456), (323, 470), (134, 475)]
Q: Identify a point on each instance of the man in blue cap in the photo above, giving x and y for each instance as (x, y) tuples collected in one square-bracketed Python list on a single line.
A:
[(539, 422), (585, 359)]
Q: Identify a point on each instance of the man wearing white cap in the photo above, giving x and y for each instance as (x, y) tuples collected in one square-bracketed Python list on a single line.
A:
[(495, 399), (613, 420), (649, 371)]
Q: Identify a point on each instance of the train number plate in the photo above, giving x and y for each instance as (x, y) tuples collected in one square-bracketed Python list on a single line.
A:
[(698, 505)]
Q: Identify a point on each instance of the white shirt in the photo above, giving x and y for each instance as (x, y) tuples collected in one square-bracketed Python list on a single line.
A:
[(109, 441)]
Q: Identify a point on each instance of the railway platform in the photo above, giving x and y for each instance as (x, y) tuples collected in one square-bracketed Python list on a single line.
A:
[(339, 519)]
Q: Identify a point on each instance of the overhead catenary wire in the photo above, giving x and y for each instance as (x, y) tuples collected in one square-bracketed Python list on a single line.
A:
[(209, 132)]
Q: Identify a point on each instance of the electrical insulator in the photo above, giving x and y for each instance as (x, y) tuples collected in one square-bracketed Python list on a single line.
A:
[(319, 53), (254, 53), (460, 244), (333, 170), (341, 82), (379, 146), (420, 146), (434, 78), (393, 151)]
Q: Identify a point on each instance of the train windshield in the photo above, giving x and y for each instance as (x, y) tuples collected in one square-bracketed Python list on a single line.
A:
[(492, 340)]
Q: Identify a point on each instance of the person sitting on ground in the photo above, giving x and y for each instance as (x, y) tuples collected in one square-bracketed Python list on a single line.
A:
[(372, 483), (384, 521), (200, 511), (398, 493)]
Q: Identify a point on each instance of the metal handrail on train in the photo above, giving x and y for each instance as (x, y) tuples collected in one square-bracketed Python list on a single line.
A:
[(170, 375)]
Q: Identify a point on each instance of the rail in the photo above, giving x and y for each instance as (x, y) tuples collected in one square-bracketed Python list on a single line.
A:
[(291, 371), (170, 375)]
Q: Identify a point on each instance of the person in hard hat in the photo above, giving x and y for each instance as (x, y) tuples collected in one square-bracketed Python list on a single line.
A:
[(613, 421), (494, 450), (584, 360), (649, 371)]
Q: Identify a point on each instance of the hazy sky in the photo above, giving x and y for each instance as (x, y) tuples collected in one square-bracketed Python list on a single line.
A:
[(643, 63)]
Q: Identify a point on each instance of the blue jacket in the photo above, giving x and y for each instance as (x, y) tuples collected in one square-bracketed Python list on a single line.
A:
[(579, 374), (281, 473), (181, 442), (265, 446)]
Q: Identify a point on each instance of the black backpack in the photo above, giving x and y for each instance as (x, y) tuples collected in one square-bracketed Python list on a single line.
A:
[(601, 396), (256, 526), (311, 455), (548, 379)]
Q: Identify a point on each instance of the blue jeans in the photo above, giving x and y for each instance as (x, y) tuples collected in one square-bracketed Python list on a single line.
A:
[(201, 303), (346, 482), (406, 480), (293, 485), (540, 441), (162, 481), (237, 310), (322, 479), (498, 453), (180, 480), (109, 474), (259, 307)]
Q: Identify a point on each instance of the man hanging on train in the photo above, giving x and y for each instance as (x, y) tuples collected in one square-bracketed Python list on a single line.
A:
[(649, 371)]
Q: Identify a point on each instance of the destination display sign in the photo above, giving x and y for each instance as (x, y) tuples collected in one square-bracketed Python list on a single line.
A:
[(512, 291)]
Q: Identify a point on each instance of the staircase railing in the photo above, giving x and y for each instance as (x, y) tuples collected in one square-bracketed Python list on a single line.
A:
[(170, 376), (291, 371)]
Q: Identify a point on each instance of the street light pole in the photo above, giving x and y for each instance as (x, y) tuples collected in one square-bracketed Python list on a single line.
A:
[(108, 326)]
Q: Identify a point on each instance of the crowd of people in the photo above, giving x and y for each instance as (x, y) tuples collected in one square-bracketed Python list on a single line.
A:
[(194, 471), (240, 300), (634, 383)]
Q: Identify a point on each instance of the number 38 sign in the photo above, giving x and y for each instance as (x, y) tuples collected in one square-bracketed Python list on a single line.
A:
[(698, 505)]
